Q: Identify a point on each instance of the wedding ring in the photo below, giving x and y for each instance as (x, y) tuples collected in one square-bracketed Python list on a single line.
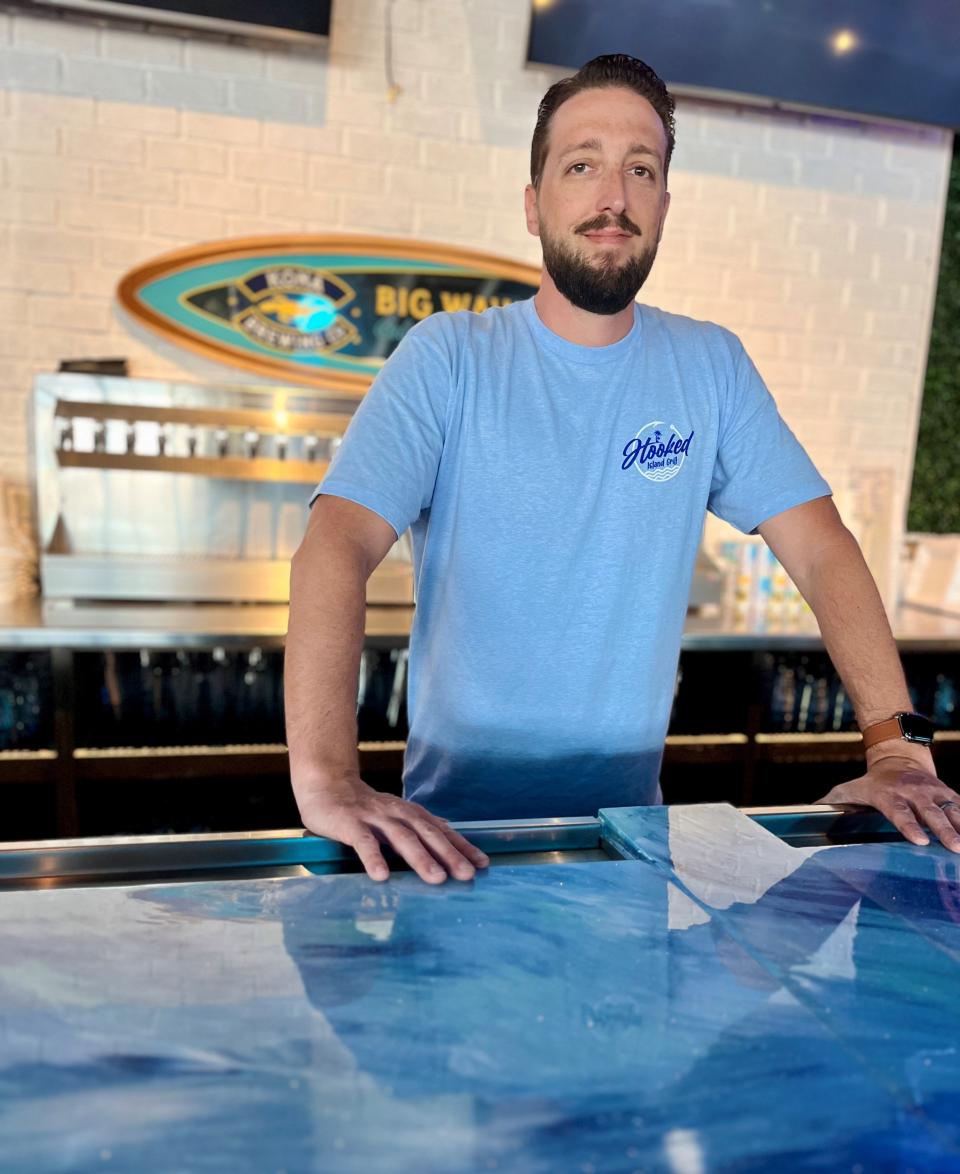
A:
[(949, 803)]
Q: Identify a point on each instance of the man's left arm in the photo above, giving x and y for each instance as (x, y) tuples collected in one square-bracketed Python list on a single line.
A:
[(824, 560)]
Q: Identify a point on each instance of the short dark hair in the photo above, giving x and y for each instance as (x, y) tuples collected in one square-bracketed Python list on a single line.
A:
[(608, 71)]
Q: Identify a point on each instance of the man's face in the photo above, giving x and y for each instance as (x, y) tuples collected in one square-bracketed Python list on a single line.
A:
[(602, 200)]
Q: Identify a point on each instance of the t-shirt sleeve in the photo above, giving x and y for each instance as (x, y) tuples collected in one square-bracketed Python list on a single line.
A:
[(390, 454), (761, 468)]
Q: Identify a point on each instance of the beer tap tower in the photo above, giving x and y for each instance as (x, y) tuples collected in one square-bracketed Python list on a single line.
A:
[(172, 492)]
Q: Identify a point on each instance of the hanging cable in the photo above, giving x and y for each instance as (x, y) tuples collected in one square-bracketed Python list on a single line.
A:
[(393, 89)]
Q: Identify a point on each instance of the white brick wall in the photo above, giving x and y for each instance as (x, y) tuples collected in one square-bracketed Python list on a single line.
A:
[(815, 238)]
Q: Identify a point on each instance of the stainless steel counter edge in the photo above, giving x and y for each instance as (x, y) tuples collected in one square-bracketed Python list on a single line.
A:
[(235, 854), (156, 856), (34, 624)]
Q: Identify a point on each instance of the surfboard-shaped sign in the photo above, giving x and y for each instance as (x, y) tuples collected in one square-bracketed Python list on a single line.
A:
[(326, 311)]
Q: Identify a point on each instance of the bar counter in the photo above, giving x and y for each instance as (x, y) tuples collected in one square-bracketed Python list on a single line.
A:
[(656, 989)]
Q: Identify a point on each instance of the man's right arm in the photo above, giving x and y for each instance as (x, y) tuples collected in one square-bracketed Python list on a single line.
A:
[(343, 544)]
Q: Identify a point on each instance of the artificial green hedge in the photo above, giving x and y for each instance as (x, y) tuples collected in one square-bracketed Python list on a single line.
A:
[(935, 495)]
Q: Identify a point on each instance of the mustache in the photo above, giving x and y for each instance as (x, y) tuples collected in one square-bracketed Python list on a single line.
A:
[(623, 222)]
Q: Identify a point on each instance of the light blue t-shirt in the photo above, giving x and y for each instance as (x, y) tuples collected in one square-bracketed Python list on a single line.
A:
[(556, 496)]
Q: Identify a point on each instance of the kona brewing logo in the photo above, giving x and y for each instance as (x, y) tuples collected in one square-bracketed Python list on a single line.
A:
[(657, 451), (289, 309), (322, 310)]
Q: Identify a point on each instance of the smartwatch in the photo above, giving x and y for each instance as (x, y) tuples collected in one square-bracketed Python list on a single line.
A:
[(912, 727)]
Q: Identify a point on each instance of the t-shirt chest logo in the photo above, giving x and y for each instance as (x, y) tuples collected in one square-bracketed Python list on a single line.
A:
[(658, 451)]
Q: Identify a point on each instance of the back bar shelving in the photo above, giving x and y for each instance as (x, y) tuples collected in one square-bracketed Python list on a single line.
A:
[(88, 765)]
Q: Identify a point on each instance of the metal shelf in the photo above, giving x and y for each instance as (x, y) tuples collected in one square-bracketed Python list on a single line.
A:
[(326, 424), (160, 763), (829, 747), (251, 759), (28, 766), (712, 749), (222, 468)]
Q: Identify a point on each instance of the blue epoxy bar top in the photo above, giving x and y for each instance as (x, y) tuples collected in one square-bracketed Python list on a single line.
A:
[(718, 1001)]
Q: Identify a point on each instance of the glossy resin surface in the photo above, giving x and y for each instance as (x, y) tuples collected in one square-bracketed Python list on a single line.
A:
[(719, 1002)]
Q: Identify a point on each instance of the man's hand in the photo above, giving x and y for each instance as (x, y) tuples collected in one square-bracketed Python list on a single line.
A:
[(909, 796), (354, 813)]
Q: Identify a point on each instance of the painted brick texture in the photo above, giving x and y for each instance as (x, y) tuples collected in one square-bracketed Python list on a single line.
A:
[(816, 239)]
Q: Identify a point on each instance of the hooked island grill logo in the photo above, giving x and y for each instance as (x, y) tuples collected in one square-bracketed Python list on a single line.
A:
[(657, 452), (321, 310)]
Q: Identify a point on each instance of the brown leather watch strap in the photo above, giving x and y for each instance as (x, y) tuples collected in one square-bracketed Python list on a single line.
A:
[(881, 731)]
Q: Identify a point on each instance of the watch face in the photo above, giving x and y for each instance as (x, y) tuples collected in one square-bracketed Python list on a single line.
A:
[(916, 728)]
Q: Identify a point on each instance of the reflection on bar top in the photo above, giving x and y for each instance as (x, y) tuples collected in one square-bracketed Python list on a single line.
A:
[(33, 623)]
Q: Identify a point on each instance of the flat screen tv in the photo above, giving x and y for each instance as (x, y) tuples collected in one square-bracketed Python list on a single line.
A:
[(887, 59), (291, 19)]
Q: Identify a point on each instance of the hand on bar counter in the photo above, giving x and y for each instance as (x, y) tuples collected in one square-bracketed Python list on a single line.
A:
[(353, 813), (907, 791)]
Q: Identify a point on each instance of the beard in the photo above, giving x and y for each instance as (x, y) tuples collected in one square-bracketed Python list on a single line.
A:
[(604, 285)]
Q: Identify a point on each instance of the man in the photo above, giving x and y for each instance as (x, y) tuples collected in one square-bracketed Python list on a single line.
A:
[(554, 460)]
